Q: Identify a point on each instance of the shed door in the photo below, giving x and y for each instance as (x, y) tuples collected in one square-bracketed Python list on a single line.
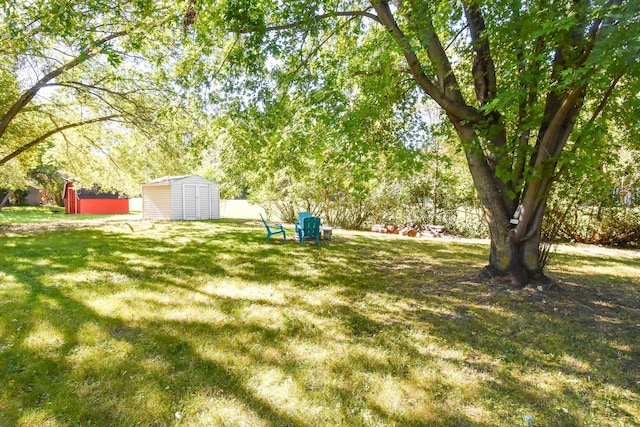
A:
[(196, 201), (190, 201), (70, 201), (204, 202)]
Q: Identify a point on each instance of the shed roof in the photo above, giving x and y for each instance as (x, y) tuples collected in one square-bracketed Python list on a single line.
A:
[(167, 179), (171, 179), (95, 193)]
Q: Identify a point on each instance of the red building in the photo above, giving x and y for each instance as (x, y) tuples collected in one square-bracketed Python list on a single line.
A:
[(85, 201)]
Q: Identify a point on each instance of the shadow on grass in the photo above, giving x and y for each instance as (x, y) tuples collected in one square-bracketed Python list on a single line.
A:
[(207, 324)]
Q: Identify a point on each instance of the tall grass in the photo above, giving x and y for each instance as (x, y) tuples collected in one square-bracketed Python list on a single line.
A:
[(205, 323)]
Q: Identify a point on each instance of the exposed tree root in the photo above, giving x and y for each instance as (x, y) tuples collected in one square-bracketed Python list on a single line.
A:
[(490, 272), (519, 278)]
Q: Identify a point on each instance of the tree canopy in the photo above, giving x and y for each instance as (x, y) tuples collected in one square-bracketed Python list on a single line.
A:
[(527, 86)]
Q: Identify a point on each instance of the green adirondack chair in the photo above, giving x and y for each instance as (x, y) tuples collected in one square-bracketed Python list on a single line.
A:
[(310, 229), (277, 229)]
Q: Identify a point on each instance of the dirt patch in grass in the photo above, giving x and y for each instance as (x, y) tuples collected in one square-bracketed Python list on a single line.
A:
[(9, 229)]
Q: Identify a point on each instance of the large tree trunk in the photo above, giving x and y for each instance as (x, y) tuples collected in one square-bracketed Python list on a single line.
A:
[(514, 247), (519, 260), (5, 199), (510, 254)]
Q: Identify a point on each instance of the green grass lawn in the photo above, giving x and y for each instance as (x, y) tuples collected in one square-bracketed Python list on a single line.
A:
[(125, 323)]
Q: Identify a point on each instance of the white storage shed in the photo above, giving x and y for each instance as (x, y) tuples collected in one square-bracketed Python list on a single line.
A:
[(181, 197)]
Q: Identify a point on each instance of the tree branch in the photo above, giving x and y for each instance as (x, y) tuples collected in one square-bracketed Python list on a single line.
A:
[(353, 13), (445, 91), (44, 137), (483, 70), (103, 151), (79, 86), (566, 110), (28, 95), (523, 128), (595, 32), (454, 38), (484, 82)]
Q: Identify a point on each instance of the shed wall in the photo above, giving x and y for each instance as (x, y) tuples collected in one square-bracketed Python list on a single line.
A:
[(156, 202), (33, 197), (103, 206), (215, 201)]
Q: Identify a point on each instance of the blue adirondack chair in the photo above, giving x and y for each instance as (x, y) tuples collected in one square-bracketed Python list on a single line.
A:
[(301, 217), (277, 229), (310, 229)]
